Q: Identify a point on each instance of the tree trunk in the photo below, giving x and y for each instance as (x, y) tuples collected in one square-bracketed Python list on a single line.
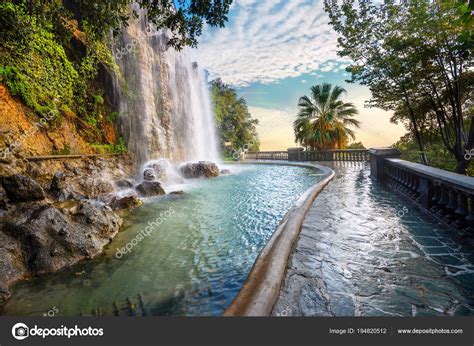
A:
[(417, 133), (461, 165), (419, 139)]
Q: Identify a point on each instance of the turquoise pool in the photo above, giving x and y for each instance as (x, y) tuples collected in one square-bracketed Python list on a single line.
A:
[(192, 263)]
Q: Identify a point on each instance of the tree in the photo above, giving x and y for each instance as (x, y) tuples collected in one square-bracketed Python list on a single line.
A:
[(184, 18), (412, 56), (323, 120), (233, 119), (356, 145)]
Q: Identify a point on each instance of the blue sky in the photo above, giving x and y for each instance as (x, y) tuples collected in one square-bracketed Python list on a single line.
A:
[(272, 52)]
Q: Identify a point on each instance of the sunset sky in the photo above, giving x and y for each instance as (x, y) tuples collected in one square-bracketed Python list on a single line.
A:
[(272, 52)]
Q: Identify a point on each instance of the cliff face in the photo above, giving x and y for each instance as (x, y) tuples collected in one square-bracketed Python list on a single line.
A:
[(54, 213), (21, 129)]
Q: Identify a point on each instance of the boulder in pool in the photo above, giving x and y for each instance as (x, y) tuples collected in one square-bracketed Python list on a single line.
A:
[(127, 202), (150, 189), (149, 174), (155, 170), (201, 169)]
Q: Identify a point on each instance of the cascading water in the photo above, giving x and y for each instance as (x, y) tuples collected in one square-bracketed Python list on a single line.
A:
[(163, 100)]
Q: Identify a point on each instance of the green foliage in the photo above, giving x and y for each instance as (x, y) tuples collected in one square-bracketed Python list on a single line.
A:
[(51, 51), (356, 145), (233, 119), (435, 151), (184, 18), (416, 58), (91, 120), (10, 76), (113, 116), (34, 67), (323, 120), (119, 147), (99, 100)]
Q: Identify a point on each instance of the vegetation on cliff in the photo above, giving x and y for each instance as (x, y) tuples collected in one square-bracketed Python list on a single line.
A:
[(51, 66), (53, 53)]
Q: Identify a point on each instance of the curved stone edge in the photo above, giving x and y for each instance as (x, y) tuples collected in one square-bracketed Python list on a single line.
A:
[(262, 287)]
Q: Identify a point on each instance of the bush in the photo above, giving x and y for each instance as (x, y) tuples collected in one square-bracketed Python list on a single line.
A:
[(36, 68), (120, 147)]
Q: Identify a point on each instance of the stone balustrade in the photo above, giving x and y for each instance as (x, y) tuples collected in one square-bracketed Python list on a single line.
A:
[(448, 195), (299, 154), (267, 155), (333, 155)]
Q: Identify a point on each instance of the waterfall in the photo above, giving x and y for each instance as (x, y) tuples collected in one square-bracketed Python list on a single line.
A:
[(163, 99)]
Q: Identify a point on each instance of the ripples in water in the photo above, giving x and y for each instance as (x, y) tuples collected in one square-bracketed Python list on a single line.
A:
[(193, 264)]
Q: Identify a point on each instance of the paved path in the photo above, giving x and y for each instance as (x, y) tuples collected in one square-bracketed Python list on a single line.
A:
[(364, 251)]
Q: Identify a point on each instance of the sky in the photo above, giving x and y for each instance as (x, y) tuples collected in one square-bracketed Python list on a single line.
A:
[(272, 52)]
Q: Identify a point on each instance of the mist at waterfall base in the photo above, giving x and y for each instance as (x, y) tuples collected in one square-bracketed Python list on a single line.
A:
[(163, 99)]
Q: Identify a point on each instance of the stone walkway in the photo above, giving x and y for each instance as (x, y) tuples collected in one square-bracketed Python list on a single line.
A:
[(364, 251)]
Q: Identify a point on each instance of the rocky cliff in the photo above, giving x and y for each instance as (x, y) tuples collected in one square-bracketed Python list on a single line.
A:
[(54, 213)]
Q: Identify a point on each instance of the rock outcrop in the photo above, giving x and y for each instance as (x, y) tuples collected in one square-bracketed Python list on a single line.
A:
[(124, 184), (58, 188), (52, 216), (54, 237), (201, 169), (127, 202), (150, 189), (21, 188), (42, 237)]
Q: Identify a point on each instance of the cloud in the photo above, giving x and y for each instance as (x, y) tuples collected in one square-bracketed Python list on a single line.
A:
[(269, 40)]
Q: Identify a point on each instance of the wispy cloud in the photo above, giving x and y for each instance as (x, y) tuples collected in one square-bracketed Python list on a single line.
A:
[(269, 40)]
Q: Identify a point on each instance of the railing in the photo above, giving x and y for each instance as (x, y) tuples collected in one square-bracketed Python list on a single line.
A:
[(267, 155), (320, 155), (331, 155), (74, 156), (448, 195)]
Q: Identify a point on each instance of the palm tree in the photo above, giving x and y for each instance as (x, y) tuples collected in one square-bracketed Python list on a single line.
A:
[(323, 120)]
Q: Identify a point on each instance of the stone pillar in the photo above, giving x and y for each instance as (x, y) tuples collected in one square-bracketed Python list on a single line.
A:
[(294, 154), (424, 193), (377, 161)]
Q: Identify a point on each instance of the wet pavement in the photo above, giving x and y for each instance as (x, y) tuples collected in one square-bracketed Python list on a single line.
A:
[(364, 251)]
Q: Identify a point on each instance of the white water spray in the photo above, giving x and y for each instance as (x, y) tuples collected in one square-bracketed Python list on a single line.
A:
[(163, 98)]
